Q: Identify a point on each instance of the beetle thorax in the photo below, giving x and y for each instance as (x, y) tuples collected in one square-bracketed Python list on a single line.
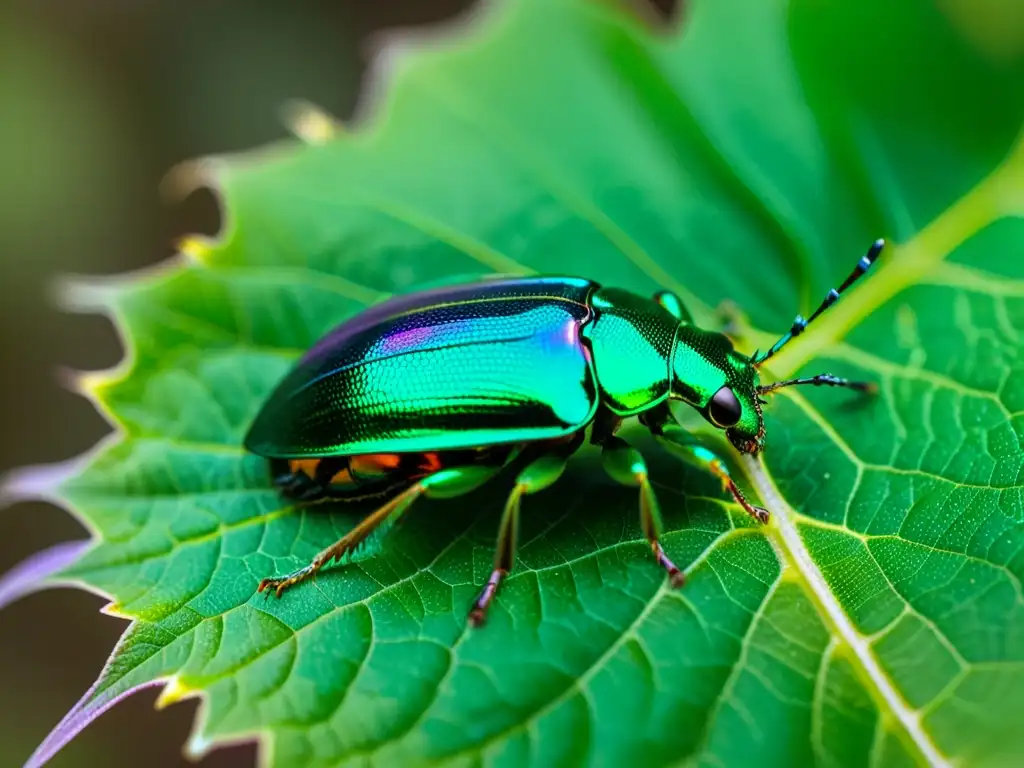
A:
[(631, 340)]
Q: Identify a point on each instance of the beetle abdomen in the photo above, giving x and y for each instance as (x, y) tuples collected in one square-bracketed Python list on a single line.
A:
[(361, 476), (501, 361)]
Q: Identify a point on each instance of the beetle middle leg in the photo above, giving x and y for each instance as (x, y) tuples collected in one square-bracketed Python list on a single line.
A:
[(445, 483), (536, 476), (625, 465)]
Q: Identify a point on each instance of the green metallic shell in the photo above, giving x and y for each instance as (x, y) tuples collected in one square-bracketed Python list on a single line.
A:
[(631, 337), (492, 362)]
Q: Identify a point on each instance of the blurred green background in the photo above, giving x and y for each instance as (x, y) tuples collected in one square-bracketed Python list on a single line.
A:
[(98, 100)]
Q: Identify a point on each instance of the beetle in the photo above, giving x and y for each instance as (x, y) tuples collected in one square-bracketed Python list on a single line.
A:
[(432, 393)]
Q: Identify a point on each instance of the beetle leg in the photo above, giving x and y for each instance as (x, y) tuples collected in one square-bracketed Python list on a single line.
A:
[(393, 509), (625, 465), (681, 442), (536, 476), (447, 482)]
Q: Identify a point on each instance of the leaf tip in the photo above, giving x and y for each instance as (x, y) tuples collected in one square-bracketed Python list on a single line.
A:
[(199, 744), (308, 122), (93, 386), (198, 747), (85, 295), (40, 482), (34, 573), (173, 692), (88, 384), (117, 611)]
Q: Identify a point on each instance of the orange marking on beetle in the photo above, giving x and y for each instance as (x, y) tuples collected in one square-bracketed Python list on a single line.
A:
[(374, 463), (305, 466), (431, 462), (342, 477)]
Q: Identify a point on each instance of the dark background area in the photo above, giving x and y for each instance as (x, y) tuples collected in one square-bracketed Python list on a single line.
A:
[(98, 101)]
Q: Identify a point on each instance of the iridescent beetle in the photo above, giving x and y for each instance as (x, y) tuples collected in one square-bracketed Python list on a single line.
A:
[(432, 393)]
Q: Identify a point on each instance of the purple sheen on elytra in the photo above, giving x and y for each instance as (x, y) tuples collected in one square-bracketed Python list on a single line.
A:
[(88, 708), (32, 574), (397, 305), (411, 338)]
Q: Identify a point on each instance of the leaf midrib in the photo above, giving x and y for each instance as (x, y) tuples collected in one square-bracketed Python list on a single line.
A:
[(906, 265), (783, 532)]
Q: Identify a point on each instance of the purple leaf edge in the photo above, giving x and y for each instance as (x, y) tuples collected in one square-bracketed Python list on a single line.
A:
[(33, 573), (78, 718)]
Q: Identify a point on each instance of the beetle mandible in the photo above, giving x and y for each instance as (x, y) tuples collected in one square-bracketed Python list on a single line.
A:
[(432, 393)]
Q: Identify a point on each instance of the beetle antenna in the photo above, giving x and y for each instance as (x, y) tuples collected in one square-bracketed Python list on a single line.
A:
[(800, 324), (822, 379)]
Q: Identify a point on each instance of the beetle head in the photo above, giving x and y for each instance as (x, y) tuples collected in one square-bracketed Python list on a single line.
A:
[(720, 383), (724, 386)]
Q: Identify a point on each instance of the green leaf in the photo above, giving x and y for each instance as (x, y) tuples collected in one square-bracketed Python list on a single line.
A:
[(753, 156)]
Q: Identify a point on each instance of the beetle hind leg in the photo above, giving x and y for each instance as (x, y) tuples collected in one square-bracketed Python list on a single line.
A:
[(447, 482), (349, 542), (625, 465)]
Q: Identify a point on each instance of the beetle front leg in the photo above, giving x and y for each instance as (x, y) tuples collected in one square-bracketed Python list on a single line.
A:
[(536, 476), (681, 442), (625, 465)]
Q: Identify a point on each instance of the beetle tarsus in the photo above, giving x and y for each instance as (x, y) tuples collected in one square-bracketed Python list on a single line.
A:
[(758, 513), (478, 614), (387, 515), (279, 585), (676, 577), (679, 440)]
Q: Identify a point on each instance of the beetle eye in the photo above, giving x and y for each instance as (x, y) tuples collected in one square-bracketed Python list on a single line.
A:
[(724, 409)]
